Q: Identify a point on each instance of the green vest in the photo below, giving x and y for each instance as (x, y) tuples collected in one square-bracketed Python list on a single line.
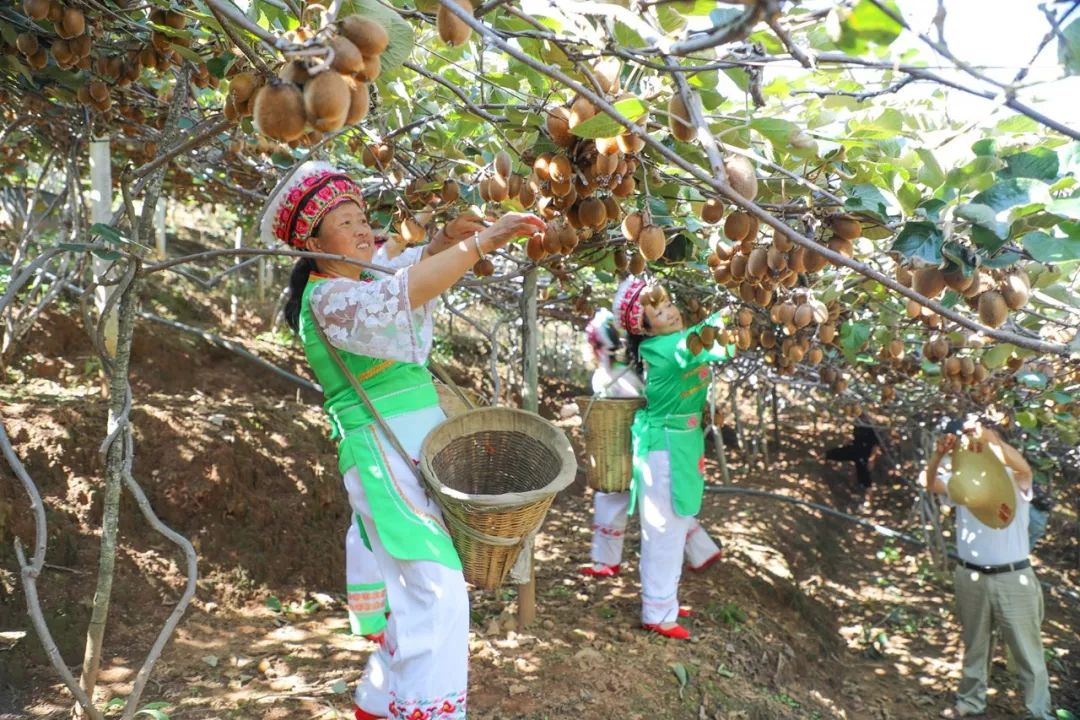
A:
[(676, 386), (394, 388)]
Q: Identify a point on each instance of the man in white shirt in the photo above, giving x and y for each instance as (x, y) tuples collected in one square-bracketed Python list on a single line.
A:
[(995, 586)]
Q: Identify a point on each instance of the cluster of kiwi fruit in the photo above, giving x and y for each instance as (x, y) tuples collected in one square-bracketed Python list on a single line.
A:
[(835, 379), (71, 49), (307, 98), (578, 187), (991, 293)]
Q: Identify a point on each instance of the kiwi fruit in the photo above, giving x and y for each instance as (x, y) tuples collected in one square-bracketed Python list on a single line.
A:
[(957, 281), (279, 111), (630, 143), (846, 228), (652, 242), (993, 310), (561, 189), (928, 281), (368, 36), (503, 163), (560, 169), (605, 164), (452, 30), (295, 72), (498, 188), (347, 58), (607, 146), (526, 196), (1015, 289), (842, 246), (27, 43), (694, 343), (359, 101), (757, 264), (412, 232), (483, 267), (175, 20), (826, 333), (737, 226), (326, 101), (632, 225), (815, 355), (242, 85), (896, 349), (625, 187), (738, 267), (607, 73), (679, 119), (777, 259), (36, 9), (593, 213), (371, 70), (612, 210), (741, 176), (541, 166), (637, 264), (581, 110), (72, 25), (712, 211), (534, 248), (558, 126)]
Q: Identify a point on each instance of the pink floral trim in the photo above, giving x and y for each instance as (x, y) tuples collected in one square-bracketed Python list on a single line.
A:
[(628, 306), (611, 532), (450, 707)]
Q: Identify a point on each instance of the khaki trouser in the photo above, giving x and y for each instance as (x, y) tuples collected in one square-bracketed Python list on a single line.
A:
[(1011, 602)]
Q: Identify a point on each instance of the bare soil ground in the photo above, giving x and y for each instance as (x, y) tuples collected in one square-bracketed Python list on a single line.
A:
[(807, 617)]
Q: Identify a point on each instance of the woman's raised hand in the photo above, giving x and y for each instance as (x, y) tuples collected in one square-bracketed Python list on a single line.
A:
[(510, 226)]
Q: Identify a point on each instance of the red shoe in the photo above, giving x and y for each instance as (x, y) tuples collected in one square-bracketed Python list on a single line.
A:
[(675, 632), (378, 638), (685, 612), (361, 714), (602, 571), (708, 563)]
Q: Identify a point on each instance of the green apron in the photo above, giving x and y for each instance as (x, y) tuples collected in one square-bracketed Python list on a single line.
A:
[(676, 387), (394, 388)]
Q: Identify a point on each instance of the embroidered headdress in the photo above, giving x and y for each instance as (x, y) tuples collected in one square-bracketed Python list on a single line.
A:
[(628, 306), (601, 333), (298, 205)]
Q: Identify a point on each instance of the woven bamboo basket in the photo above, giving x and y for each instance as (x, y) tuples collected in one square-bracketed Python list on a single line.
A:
[(609, 460), (494, 471)]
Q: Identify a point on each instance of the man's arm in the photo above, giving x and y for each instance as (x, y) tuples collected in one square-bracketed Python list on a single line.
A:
[(1008, 455), (934, 484)]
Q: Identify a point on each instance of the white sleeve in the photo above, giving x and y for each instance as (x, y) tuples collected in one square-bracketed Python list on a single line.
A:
[(405, 258), (373, 318)]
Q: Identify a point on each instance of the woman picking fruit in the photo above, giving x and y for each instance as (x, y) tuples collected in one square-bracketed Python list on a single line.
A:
[(668, 439), (614, 379), (380, 330)]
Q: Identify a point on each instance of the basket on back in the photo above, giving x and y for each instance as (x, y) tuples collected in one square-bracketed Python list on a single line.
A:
[(608, 454), (494, 471)]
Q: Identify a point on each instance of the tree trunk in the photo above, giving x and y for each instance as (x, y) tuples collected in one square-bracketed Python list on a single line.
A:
[(530, 400)]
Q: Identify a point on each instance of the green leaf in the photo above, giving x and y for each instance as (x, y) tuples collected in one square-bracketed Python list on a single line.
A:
[(986, 239), (984, 216), (853, 338), (1031, 378), (863, 25), (1045, 248), (188, 54), (1015, 192), (987, 146), (1039, 163), (339, 687), (721, 17), (681, 675), (1066, 207), (739, 77), (219, 66), (998, 355), (603, 125), (776, 130), (1069, 47), (869, 200), (273, 603), (155, 714), (920, 240), (930, 172)]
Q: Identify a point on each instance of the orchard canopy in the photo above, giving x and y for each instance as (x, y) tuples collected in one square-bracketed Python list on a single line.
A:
[(882, 194)]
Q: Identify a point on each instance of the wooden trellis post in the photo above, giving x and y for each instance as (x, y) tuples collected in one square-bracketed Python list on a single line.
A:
[(101, 212), (530, 400)]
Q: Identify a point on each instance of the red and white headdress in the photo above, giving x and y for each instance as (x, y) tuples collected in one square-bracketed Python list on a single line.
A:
[(601, 333), (299, 204), (628, 307)]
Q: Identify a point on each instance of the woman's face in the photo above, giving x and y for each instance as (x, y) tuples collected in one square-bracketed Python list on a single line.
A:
[(345, 231), (664, 318)]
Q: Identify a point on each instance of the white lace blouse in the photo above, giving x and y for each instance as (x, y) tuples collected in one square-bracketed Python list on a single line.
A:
[(372, 317)]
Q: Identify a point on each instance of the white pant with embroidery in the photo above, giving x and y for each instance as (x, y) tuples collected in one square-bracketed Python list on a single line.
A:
[(663, 541), (363, 584), (422, 670), (609, 531)]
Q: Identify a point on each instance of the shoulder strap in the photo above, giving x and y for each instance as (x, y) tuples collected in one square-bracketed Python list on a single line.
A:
[(365, 399)]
